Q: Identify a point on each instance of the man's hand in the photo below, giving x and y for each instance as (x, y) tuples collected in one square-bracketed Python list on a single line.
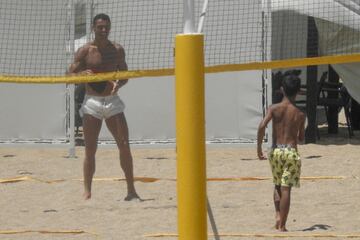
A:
[(261, 155), (115, 87), (87, 72)]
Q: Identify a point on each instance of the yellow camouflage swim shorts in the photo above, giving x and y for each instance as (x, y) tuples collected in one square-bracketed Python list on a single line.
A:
[(285, 166)]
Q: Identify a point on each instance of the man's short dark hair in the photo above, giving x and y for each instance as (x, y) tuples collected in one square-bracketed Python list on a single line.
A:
[(102, 16), (291, 85)]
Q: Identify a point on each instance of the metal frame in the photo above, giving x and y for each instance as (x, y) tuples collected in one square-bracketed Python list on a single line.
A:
[(267, 73)]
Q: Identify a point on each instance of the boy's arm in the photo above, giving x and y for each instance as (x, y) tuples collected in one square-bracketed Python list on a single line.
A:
[(261, 133), (301, 135)]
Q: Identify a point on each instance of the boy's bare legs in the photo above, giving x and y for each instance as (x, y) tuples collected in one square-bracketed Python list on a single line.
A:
[(277, 197), (117, 125), (91, 128), (284, 207)]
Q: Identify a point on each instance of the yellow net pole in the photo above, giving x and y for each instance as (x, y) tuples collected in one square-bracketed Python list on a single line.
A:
[(190, 137)]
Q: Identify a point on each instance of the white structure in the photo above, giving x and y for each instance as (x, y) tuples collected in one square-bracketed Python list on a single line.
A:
[(338, 26), (30, 112), (235, 101)]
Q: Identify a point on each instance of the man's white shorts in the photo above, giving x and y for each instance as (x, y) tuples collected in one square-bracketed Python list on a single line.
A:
[(102, 107)]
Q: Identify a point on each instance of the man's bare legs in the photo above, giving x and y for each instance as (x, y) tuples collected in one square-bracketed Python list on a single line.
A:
[(284, 207), (117, 125), (91, 128), (277, 197)]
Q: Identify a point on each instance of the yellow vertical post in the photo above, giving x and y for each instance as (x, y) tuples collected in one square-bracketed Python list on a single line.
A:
[(190, 136)]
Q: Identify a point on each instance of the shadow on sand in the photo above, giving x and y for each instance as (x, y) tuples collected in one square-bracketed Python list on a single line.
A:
[(317, 227)]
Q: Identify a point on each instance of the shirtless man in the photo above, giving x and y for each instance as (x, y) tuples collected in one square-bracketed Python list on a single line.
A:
[(102, 102), (288, 129)]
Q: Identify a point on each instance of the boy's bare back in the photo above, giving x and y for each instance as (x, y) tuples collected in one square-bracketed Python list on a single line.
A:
[(288, 123), (288, 120)]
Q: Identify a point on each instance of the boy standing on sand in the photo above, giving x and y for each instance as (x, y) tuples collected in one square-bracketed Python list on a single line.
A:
[(288, 129)]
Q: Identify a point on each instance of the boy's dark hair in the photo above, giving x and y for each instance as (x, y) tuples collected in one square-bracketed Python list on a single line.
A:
[(102, 16), (295, 72), (291, 85)]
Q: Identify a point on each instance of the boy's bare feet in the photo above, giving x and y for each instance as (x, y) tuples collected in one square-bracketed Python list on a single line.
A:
[(87, 195), (277, 221), (132, 196)]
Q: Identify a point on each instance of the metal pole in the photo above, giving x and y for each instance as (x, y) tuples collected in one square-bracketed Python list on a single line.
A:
[(189, 16), (71, 87), (190, 137), (267, 73), (190, 130), (202, 16), (89, 16)]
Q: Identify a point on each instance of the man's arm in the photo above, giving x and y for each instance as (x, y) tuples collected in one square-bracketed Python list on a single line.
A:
[(79, 61), (121, 66), (261, 133)]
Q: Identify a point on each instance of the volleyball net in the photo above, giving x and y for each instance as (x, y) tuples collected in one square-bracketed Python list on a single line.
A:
[(39, 38)]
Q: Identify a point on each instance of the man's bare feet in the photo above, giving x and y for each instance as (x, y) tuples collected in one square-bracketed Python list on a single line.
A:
[(277, 224), (283, 229), (132, 196), (87, 195)]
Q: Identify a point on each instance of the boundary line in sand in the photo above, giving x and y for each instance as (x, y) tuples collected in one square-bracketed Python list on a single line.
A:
[(265, 235), (151, 179), (46, 231)]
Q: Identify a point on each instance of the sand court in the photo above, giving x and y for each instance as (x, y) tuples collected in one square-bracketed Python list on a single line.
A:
[(41, 194)]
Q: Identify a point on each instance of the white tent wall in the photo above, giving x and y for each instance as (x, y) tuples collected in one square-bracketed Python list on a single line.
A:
[(152, 100), (234, 100), (282, 46), (291, 47), (339, 32), (150, 109), (341, 39), (30, 111), (350, 74), (33, 112), (234, 103), (234, 108)]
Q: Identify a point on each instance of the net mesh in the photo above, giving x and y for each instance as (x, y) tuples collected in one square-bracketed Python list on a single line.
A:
[(39, 37), (33, 38), (146, 29), (233, 32)]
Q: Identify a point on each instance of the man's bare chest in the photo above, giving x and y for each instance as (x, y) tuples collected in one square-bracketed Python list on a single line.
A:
[(105, 60)]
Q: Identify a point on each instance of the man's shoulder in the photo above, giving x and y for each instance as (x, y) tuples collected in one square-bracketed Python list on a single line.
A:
[(118, 46), (87, 45), (84, 49)]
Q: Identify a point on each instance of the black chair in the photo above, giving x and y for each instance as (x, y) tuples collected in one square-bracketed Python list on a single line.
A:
[(303, 89), (355, 114), (335, 95), (301, 104)]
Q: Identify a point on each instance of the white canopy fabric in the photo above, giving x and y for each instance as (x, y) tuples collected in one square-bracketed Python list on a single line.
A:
[(338, 23), (342, 12)]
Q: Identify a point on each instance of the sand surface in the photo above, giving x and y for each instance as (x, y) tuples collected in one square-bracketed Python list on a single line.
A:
[(319, 206)]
